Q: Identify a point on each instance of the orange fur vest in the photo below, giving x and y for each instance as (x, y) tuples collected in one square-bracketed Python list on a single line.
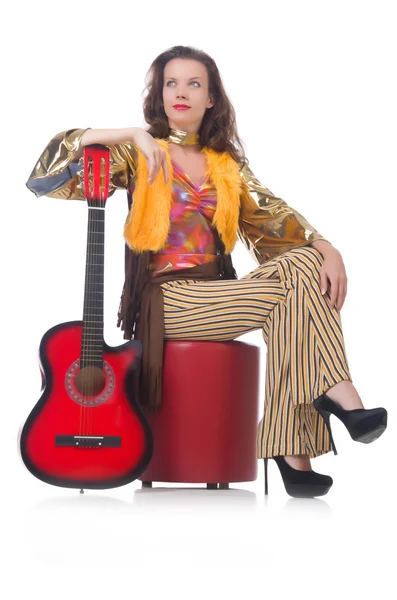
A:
[(148, 222)]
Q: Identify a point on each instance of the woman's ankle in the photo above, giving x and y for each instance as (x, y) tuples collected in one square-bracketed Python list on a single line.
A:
[(345, 395), (299, 461)]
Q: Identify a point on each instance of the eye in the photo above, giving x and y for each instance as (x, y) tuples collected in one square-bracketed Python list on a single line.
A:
[(190, 82)]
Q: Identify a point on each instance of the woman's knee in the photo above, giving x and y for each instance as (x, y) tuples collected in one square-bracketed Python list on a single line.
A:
[(312, 258), (309, 251)]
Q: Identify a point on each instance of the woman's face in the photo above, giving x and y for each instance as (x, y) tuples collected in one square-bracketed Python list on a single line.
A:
[(186, 82)]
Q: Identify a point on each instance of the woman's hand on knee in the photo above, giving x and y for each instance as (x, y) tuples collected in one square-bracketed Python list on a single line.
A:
[(333, 274)]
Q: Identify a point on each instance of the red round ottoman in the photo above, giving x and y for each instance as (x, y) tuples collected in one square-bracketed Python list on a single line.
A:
[(205, 429)]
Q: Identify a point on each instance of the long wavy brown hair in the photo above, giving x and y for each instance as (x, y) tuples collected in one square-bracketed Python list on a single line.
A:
[(218, 129)]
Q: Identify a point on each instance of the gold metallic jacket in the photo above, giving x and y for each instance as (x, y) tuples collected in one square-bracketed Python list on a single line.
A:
[(267, 226)]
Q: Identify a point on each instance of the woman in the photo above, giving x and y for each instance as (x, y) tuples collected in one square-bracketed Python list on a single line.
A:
[(190, 194)]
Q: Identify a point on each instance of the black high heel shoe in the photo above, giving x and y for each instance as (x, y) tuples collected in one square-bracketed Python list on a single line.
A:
[(300, 484), (364, 424)]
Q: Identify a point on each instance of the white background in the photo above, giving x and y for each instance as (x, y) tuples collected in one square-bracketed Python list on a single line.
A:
[(313, 86)]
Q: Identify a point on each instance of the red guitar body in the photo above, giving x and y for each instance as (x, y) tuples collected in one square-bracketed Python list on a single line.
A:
[(71, 440), (87, 430)]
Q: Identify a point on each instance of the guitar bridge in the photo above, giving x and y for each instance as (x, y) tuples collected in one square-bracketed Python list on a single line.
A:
[(88, 441)]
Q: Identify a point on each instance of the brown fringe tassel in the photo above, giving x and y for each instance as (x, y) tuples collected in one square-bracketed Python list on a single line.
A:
[(136, 274)]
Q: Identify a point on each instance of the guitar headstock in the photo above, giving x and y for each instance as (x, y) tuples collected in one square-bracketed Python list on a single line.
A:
[(96, 161)]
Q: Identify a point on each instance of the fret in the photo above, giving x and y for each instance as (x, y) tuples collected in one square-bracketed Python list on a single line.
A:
[(92, 347)]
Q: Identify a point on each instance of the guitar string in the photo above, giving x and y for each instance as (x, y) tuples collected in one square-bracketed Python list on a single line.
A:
[(98, 275), (85, 296), (94, 295), (96, 225), (84, 330), (104, 189), (93, 298), (100, 221), (86, 333), (90, 287)]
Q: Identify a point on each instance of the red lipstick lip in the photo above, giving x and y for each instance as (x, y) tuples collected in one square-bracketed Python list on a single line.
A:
[(181, 106)]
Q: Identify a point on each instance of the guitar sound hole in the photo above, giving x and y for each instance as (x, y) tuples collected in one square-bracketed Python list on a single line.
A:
[(90, 381)]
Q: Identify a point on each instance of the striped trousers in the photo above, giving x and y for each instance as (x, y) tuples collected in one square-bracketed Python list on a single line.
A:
[(305, 346)]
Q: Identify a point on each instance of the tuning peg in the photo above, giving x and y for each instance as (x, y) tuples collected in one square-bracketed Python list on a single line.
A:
[(81, 161), (80, 173), (80, 186)]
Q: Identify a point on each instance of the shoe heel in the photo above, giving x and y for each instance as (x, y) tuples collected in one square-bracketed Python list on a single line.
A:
[(326, 415), (266, 487)]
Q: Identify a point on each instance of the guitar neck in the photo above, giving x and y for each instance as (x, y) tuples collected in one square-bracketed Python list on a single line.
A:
[(96, 189), (92, 338)]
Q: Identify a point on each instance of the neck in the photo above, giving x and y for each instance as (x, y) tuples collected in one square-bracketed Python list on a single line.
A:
[(185, 138)]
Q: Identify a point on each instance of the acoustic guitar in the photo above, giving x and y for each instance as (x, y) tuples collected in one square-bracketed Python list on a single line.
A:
[(87, 429)]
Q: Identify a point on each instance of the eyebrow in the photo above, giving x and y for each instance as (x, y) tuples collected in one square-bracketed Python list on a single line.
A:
[(188, 79)]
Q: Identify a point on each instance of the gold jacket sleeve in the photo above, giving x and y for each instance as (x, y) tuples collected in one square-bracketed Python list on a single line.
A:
[(267, 225), (56, 173)]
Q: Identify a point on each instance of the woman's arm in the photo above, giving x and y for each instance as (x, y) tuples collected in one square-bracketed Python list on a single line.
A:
[(56, 171), (108, 137), (267, 225)]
